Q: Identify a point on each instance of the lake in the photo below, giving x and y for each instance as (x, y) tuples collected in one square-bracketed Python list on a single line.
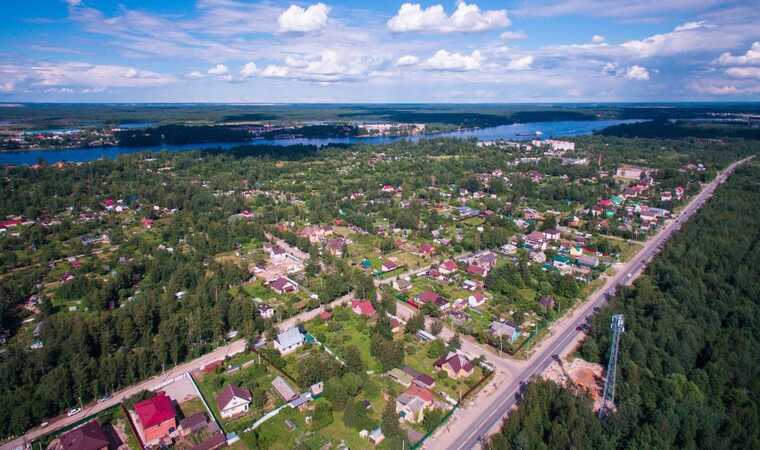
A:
[(518, 131)]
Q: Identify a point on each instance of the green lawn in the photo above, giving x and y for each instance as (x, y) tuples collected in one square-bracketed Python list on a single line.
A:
[(343, 329), (417, 358), (191, 407)]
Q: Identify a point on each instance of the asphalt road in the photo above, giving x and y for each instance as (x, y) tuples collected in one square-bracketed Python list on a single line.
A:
[(565, 333), (149, 384)]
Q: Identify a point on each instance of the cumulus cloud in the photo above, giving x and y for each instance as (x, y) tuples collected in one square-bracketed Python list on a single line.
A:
[(637, 72), (523, 63), (219, 70), (195, 75), (327, 66), (274, 71), (634, 72), (744, 72), (467, 18), (751, 57), (691, 36), (443, 60), (597, 39), (407, 60), (303, 20), (248, 70), (513, 36)]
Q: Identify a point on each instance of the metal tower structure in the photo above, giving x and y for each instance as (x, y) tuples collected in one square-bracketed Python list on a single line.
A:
[(608, 397)]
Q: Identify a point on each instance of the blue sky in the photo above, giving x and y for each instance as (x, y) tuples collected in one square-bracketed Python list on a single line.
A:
[(379, 51)]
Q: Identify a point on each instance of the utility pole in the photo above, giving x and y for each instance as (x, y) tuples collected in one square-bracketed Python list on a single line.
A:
[(608, 396)]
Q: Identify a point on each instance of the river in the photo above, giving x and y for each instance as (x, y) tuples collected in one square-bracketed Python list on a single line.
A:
[(518, 131)]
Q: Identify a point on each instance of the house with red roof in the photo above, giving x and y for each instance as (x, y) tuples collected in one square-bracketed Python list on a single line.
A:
[(363, 308), (552, 235), (605, 203), (87, 437), (455, 365), (155, 417), (475, 269), (536, 240), (233, 401), (411, 405), (426, 249), (283, 285), (5, 224), (388, 265), (448, 267), (476, 299)]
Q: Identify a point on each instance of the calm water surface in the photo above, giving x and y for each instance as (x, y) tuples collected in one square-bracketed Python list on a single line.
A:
[(518, 131)]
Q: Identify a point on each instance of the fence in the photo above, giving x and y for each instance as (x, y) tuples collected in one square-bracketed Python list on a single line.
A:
[(132, 426), (446, 417)]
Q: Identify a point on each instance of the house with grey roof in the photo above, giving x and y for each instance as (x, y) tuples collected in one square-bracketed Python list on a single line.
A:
[(289, 340), (284, 389), (505, 330)]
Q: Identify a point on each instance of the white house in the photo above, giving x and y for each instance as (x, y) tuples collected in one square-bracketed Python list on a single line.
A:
[(288, 341), (233, 401)]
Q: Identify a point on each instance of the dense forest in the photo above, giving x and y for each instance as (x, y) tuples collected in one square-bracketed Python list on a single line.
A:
[(181, 134), (689, 374), (314, 131), (666, 129)]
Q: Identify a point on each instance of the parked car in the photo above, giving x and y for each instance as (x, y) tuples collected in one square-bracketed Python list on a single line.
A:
[(74, 411)]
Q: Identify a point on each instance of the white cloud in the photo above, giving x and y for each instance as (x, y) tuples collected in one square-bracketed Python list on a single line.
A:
[(219, 70), (693, 26), (248, 70), (522, 63), (300, 20), (443, 60), (637, 72), (624, 9), (712, 89), (93, 75), (467, 18), (691, 36), (195, 75), (407, 60), (73, 2), (327, 66), (7, 87), (274, 71), (752, 57), (597, 39), (513, 36), (744, 72)]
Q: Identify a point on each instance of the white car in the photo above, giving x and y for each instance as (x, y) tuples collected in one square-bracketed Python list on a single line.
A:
[(74, 411)]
